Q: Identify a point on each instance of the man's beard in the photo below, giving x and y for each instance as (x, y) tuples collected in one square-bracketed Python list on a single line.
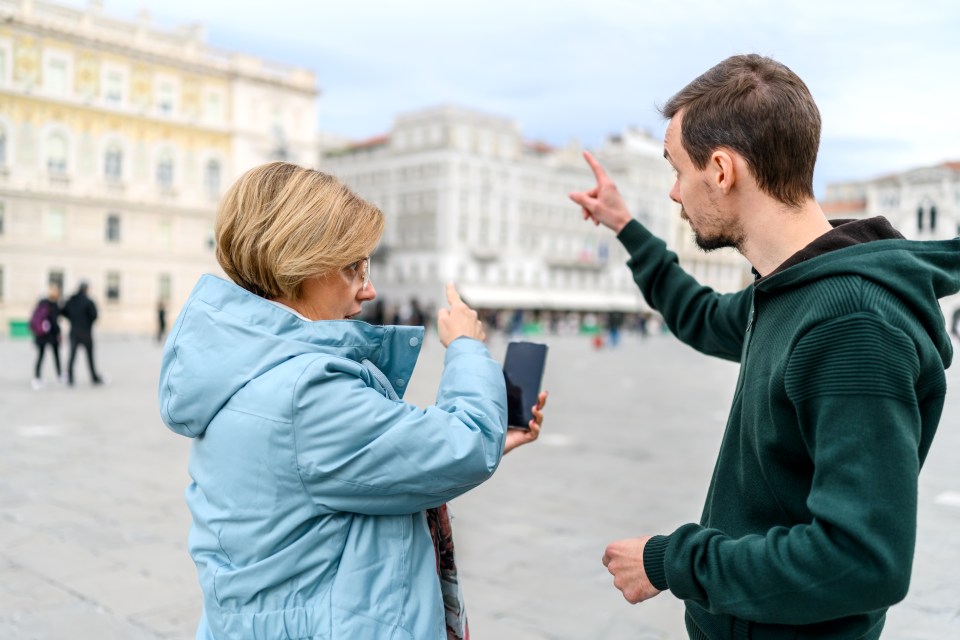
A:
[(715, 242), (728, 237)]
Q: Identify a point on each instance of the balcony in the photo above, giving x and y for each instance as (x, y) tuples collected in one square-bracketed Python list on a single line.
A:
[(59, 181)]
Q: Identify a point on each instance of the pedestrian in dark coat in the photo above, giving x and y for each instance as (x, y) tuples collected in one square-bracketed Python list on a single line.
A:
[(45, 326), (161, 320), (81, 311)]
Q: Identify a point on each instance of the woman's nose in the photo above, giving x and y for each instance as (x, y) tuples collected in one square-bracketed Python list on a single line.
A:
[(367, 293)]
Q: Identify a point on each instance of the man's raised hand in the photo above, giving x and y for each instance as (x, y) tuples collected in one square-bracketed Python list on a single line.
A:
[(603, 203)]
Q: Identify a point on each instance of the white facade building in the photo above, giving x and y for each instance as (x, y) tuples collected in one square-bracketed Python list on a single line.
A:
[(469, 200), (922, 204), (117, 139)]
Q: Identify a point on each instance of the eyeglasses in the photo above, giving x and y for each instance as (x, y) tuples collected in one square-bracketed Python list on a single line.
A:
[(359, 268)]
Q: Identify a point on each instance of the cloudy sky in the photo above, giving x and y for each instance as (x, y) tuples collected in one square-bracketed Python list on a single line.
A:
[(886, 74)]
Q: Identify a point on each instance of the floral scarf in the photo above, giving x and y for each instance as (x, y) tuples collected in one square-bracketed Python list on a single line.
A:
[(456, 615)]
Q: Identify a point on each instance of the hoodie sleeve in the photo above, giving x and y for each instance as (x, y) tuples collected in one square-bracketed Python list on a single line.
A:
[(852, 382), (710, 322), (360, 452)]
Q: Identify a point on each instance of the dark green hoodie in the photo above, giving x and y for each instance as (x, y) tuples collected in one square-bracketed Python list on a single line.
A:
[(809, 524)]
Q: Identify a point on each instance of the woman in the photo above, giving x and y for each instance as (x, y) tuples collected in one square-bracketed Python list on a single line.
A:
[(45, 326), (318, 494)]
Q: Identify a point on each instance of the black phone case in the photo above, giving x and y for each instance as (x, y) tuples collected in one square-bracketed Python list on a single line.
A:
[(523, 367)]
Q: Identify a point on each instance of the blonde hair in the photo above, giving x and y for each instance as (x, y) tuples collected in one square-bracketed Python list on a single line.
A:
[(280, 224)]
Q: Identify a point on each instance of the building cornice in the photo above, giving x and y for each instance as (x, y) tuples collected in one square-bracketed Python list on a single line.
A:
[(141, 42), (135, 117), (85, 199)]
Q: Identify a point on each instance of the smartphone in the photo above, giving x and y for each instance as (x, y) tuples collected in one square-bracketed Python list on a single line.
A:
[(523, 367)]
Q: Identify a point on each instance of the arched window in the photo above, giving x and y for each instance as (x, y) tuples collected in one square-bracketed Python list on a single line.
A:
[(928, 207), (113, 163), (57, 154), (211, 178), (165, 170)]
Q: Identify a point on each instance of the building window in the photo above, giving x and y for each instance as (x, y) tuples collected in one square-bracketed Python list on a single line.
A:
[(164, 286), (55, 279), (932, 221), (3, 215), (214, 108), (211, 178), (113, 286), (55, 227), (113, 88), (55, 80), (1, 283), (57, 154), (165, 171), (3, 66), (3, 146), (113, 163), (165, 232), (165, 98), (113, 228)]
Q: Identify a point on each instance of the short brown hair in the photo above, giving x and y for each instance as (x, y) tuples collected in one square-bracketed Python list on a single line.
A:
[(760, 109), (280, 224)]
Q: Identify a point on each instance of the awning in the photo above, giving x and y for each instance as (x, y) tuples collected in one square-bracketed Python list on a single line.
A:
[(492, 297)]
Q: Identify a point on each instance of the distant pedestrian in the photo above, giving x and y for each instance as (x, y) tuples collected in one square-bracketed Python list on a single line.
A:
[(416, 317), (161, 320), (642, 321), (81, 311), (516, 324), (45, 327), (379, 314), (614, 323)]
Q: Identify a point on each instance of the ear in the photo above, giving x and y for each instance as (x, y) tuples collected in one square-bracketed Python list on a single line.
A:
[(723, 168)]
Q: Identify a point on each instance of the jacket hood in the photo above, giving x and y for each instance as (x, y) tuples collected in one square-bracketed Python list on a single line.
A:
[(226, 336), (917, 272)]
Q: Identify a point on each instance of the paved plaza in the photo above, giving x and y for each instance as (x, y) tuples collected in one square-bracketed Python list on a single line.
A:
[(93, 526)]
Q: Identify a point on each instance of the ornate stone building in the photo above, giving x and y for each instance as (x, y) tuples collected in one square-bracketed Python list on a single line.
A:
[(922, 204), (116, 141), (469, 200)]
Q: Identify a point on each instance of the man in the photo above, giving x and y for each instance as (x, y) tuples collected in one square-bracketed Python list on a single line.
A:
[(809, 524), (81, 311)]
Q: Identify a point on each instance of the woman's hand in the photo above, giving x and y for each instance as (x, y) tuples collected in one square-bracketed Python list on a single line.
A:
[(517, 437), (458, 321)]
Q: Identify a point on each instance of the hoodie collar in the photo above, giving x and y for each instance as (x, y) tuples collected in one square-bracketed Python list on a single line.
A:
[(846, 232)]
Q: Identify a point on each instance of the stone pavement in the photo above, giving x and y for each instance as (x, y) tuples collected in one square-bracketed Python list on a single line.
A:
[(93, 526)]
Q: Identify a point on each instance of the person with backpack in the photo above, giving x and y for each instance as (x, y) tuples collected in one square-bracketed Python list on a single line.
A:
[(81, 311), (45, 327)]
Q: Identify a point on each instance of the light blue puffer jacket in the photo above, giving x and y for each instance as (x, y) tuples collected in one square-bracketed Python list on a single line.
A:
[(309, 482)]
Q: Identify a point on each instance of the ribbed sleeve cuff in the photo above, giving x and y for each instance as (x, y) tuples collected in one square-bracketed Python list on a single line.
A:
[(653, 561), (633, 234)]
